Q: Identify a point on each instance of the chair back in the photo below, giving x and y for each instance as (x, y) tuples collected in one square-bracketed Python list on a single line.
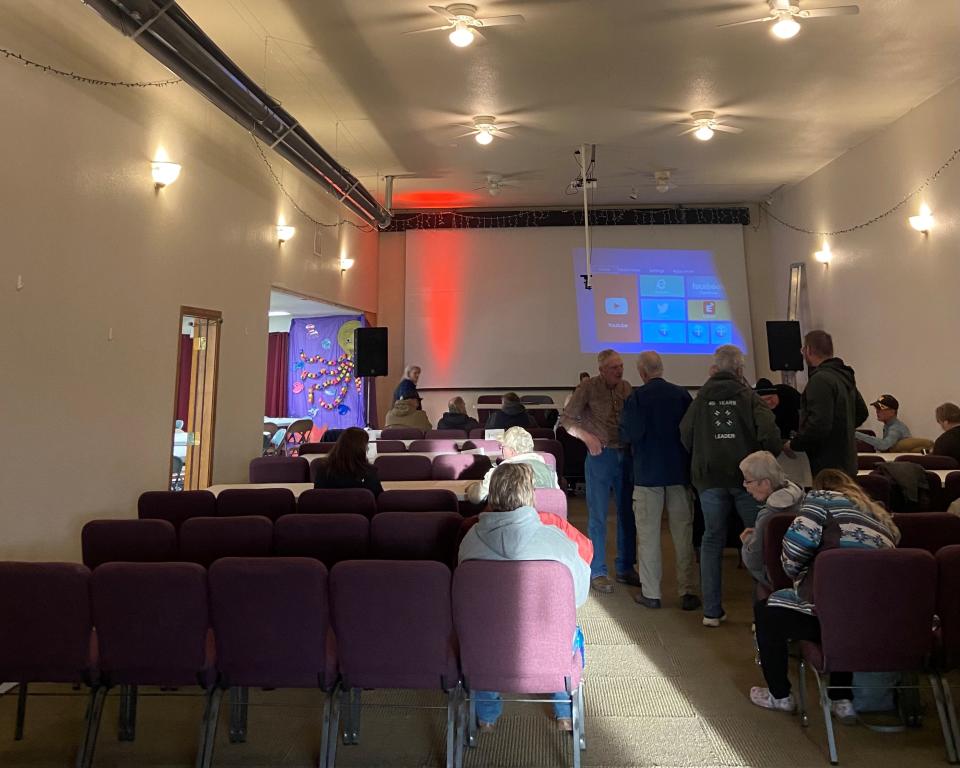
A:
[(930, 462), (551, 446), (426, 500), (271, 620), (391, 446), (393, 624), (479, 433), (297, 433), (549, 459), (331, 435), (309, 449), (400, 467), (176, 506), (279, 469), (415, 536), (875, 608), (446, 434), (551, 500), (540, 433), (46, 623), (459, 466), (204, 540), (433, 445), (516, 622), (492, 447), (265, 502), (868, 461), (777, 527), (935, 484), (328, 538), (877, 487), (951, 488), (318, 501), (948, 606), (927, 530), (134, 541), (401, 433), (152, 621)]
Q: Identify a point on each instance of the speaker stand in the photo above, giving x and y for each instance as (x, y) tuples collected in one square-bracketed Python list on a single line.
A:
[(797, 272), (367, 383)]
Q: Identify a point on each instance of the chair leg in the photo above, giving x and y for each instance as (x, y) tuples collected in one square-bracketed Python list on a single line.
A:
[(328, 731), (346, 711), (822, 682), (91, 727), (453, 701), (802, 694), (239, 700), (951, 711), (127, 719), (583, 717), (472, 723), (21, 711), (355, 715), (948, 735), (575, 720), (208, 728), (460, 747)]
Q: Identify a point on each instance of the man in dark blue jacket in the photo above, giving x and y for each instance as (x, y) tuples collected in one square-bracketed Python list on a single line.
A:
[(650, 424)]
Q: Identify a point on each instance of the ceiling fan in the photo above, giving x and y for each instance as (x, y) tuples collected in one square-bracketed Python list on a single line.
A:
[(705, 122), (495, 182), (464, 23), (786, 14), (485, 127)]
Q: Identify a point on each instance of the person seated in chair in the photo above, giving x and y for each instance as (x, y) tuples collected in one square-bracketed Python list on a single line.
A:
[(456, 417), (407, 413), (894, 430), (347, 466), (517, 447), (512, 413), (948, 444), (512, 530), (856, 521)]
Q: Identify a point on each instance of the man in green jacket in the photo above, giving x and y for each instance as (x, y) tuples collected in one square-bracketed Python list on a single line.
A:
[(726, 422), (830, 410)]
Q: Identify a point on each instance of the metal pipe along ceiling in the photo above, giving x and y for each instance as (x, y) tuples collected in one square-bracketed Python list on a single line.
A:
[(167, 33)]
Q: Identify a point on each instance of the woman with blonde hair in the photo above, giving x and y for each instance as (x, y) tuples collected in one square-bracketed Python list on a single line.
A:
[(837, 513)]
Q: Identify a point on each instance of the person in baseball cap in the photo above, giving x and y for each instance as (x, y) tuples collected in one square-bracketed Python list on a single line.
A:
[(894, 430)]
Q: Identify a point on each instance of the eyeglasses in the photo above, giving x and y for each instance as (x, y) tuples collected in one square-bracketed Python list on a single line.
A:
[(748, 482)]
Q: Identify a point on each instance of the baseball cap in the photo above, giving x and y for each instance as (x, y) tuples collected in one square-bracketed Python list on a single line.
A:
[(888, 402), (765, 387)]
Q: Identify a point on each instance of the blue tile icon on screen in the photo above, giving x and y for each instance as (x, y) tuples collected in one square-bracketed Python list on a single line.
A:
[(616, 306), (721, 333), (664, 333), (698, 333), (663, 309)]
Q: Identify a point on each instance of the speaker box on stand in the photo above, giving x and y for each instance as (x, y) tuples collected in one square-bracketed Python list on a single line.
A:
[(370, 358), (783, 345)]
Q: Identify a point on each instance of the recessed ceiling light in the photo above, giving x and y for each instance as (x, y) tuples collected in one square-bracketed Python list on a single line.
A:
[(277, 313)]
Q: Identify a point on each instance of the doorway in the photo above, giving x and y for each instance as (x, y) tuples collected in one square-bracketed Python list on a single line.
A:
[(195, 402)]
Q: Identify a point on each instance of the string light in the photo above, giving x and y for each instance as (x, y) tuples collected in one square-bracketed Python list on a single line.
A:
[(13, 56)]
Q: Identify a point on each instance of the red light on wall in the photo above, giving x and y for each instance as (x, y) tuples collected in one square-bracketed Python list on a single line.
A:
[(434, 198)]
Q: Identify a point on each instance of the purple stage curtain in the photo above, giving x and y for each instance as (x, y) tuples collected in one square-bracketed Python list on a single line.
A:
[(277, 363), (183, 384), (321, 383)]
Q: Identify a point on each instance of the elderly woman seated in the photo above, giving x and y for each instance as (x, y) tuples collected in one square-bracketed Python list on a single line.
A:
[(837, 513), (517, 448)]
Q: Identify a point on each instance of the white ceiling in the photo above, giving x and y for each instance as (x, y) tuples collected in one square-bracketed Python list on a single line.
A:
[(617, 73)]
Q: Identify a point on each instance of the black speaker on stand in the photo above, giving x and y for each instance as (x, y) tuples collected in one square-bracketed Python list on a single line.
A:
[(783, 345), (370, 358)]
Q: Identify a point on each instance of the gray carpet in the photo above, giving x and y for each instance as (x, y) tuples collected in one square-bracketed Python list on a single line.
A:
[(661, 690)]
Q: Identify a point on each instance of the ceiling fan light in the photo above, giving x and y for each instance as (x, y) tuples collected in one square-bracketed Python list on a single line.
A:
[(483, 137), (704, 133), (785, 28), (462, 35)]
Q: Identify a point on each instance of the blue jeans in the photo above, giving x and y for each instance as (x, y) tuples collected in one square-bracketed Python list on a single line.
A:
[(716, 503), (611, 470)]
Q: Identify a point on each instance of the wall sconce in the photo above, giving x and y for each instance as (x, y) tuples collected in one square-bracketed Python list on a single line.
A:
[(285, 232), (345, 264), (164, 173), (824, 255), (923, 221)]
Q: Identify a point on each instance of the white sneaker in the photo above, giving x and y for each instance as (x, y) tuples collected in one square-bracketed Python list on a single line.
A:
[(763, 698), (844, 711), (714, 622)]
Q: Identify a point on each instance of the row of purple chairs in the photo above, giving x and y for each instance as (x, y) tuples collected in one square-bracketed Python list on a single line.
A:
[(412, 433), (942, 493), (929, 461), (177, 506), (328, 538), (286, 623)]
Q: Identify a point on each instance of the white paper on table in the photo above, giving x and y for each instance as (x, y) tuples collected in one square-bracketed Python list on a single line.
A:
[(797, 469), (493, 434), (371, 452)]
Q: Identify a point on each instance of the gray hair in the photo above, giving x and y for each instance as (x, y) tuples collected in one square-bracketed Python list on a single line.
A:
[(511, 487), (650, 363), (518, 439), (605, 355), (762, 465), (456, 405), (728, 358), (410, 369)]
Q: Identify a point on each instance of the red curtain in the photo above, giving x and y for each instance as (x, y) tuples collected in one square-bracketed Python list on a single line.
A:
[(278, 346), (183, 384)]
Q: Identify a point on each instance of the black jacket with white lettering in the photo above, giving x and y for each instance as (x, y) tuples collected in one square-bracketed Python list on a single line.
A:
[(725, 422)]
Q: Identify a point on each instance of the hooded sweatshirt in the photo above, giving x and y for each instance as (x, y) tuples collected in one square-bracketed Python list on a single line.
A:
[(454, 420), (405, 414), (520, 535), (510, 415), (782, 501), (830, 411), (543, 476)]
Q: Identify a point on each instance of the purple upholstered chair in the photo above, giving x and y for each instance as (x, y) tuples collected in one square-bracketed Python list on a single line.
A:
[(427, 500), (777, 527), (134, 541), (868, 462), (935, 485), (266, 502), (314, 448), (328, 538), (480, 432), (401, 433), (394, 630), (877, 487), (551, 500), (951, 488), (176, 506), (279, 469), (402, 467), (927, 530), (391, 446), (45, 630), (460, 466), (152, 623), (484, 413), (446, 434), (206, 539), (416, 536), (930, 462), (327, 500), (272, 627), (876, 611), (948, 610), (433, 445), (540, 433), (553, 447), (492, 447), (516, 622), (549, 459)]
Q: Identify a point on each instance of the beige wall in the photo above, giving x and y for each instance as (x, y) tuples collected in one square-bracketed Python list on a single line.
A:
[(88, 421), (890, 294), (390, 314)]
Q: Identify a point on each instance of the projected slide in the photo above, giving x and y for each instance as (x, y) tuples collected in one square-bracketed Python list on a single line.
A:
[(672, 301)]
